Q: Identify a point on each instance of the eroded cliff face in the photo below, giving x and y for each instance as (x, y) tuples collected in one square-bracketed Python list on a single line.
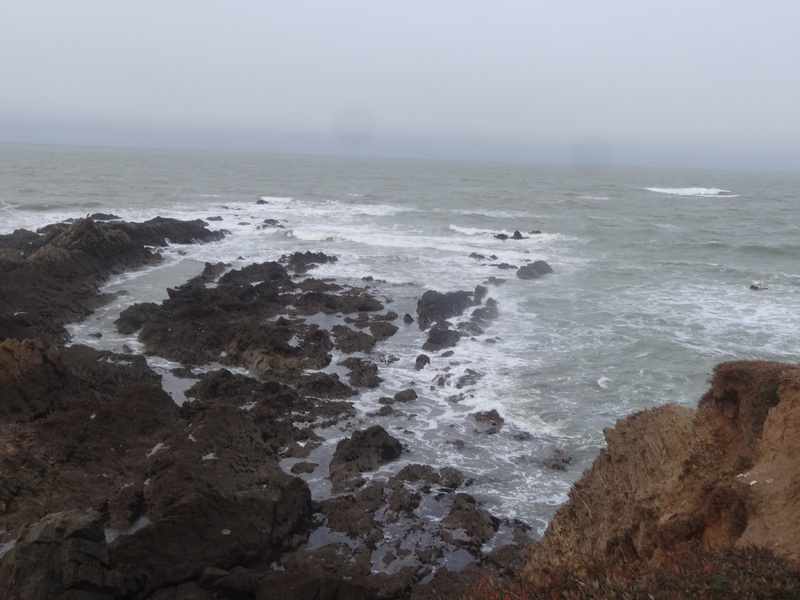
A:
[(725, 474)]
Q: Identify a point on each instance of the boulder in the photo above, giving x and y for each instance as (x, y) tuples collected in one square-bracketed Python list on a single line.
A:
[(350, 340), (434, 307), (382, 330), (364, 451), (489, 421), (408, 395), (441, 336), (362, 372), (534, 270), (468, 525)]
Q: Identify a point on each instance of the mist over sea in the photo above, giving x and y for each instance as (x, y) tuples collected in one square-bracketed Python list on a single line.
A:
[(652, 286)]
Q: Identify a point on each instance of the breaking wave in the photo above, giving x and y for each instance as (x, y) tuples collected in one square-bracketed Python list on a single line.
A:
[(700, 192)]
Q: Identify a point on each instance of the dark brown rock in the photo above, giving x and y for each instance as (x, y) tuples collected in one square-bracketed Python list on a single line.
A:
[(298, 585), (441, 336), (468, 525), (435, 307), (490, 421), (57, 278), (21, 241), (382, 330), (422, 361), (235, 530), (353, 514), (349, 340), (534, 270), (64, 555), (132, 319), (405, 396), (365, 450), (363, 373), (37, 379), (300, 262)]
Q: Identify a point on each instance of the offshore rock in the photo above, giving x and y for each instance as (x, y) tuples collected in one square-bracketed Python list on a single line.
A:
[(435, 307), (534, 270), (422, 361), (441, 336), (300, 262), (720, 476)]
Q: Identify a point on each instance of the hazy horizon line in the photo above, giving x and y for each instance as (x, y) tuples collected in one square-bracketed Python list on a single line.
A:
[(584, 152)]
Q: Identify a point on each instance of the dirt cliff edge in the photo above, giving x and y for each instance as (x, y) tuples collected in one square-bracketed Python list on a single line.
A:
[(725, 474)]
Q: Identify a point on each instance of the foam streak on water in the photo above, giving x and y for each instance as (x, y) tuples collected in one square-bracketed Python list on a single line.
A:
[(651, 283)]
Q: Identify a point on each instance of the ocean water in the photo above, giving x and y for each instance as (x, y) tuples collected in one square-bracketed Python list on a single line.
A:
[(651, 285)]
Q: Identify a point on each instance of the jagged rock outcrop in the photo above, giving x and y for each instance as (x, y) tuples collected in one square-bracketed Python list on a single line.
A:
[(55, 279), (108, 489), (534, 270), (364, 451), (64, 555), (251, 317), (722, 475), (435, 306)]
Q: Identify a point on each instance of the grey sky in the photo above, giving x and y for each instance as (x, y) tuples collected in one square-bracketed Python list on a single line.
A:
[(680, 83)]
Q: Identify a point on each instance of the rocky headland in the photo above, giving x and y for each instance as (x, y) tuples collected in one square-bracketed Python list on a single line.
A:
[(111, 489)]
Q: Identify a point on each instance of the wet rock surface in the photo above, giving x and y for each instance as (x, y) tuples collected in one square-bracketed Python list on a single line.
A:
[(55, 279), (534, 270), (108, 489)]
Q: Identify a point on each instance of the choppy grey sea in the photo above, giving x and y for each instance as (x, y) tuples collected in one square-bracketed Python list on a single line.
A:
[(652, 282)]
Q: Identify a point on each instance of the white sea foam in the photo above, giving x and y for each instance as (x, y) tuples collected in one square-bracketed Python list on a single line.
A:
[(694, 191), (471, 230)]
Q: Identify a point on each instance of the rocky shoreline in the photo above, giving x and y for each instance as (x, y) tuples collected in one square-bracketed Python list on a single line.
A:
[(109, 489)]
